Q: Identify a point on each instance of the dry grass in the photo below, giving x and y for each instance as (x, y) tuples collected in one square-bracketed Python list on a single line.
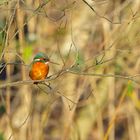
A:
[(95, 87)]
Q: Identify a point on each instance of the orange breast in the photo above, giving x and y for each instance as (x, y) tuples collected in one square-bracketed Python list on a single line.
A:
[(39, 71)]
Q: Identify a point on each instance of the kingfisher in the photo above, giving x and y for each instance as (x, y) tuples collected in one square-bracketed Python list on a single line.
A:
[(39, 67)]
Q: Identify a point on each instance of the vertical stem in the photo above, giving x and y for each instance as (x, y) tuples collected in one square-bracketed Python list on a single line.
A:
[(111, 107), (23, 90), (25, 96), (8, 70), (100, 125), (111, 123), (108, 29), (7, 58), (20, 21)]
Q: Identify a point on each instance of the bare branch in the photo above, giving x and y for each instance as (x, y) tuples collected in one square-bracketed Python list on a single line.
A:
[(131, 78), (100, 16), (62, 72)]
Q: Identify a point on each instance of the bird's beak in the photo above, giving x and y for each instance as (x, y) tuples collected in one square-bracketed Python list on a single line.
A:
[(53, 62)]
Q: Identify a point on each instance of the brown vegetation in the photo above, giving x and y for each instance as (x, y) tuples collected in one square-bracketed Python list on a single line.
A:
[(92, 92)]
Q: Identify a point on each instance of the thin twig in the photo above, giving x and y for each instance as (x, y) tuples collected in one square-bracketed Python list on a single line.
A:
[(105, 75), (58, 92), (27, 82), (99, 14), (115, 113)]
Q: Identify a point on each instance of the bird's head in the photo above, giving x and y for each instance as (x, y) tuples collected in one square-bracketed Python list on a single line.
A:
[(41, 57)]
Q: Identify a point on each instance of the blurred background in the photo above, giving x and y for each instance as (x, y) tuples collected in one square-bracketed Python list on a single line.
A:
[(96, 93)]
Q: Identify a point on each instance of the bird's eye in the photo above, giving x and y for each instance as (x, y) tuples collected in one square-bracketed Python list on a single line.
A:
[(44, 59)]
